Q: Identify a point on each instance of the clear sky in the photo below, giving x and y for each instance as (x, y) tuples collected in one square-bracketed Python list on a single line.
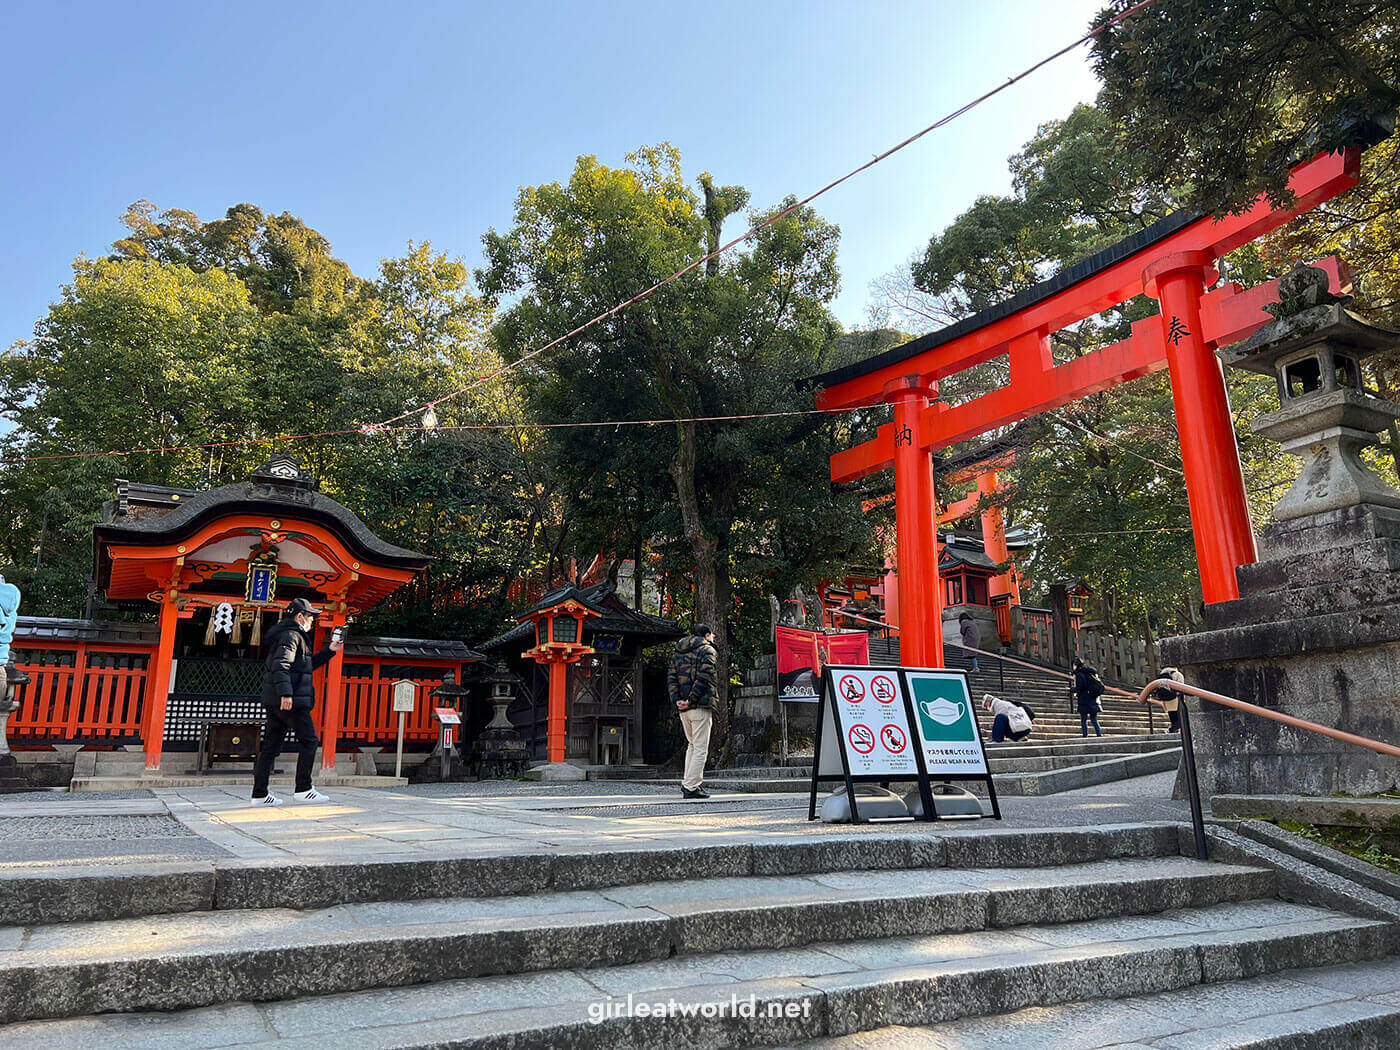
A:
[(382, 122)]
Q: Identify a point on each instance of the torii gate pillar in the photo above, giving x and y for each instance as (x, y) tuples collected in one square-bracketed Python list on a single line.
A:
[(915, 525), (1209, 458)]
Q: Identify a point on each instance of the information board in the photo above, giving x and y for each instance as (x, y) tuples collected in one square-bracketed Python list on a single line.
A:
[(885, 724)]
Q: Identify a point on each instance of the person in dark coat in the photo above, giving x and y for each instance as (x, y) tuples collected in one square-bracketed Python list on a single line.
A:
[(1088, 687), (690, 681), (971, 635), (289, 693)]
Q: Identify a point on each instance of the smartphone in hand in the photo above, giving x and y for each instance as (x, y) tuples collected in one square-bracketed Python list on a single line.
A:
[(337, 636)]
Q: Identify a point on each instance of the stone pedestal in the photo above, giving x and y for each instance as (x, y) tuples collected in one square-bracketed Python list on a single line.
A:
[(1315, 633)]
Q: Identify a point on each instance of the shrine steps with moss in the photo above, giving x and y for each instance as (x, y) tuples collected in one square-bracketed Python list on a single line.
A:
[(827, 936)]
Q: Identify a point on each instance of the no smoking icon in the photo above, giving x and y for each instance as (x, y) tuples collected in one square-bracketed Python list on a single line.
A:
[(852, 688), (882, 688), (893, 738), (861, 738)]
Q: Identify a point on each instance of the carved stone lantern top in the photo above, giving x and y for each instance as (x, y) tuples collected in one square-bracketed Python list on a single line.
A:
[(1314, 348)]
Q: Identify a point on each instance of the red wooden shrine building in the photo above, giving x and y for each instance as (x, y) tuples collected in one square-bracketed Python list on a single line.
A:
[(1174, 261), (217, 567)]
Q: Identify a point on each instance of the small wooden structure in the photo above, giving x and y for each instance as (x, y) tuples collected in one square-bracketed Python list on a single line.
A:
[(605, 689)]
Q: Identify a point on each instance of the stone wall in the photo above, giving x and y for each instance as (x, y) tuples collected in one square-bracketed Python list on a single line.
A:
[(1314, 634)]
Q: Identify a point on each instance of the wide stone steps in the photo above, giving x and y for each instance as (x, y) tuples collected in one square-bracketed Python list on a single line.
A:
[(823, 988), (1045, 691), (838, 934), (200, 958), (1352, 1006)]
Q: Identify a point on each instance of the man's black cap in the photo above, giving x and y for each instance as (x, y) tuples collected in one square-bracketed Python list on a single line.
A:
[(301, 605)]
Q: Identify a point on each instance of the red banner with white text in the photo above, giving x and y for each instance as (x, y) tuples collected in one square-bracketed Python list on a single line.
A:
[(802, 654)]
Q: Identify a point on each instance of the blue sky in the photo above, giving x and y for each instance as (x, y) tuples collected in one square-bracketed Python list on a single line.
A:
[(380, 123)]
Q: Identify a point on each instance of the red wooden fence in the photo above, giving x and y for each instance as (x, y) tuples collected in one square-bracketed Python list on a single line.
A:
[(80, 691), (367, 716), (95, 692)]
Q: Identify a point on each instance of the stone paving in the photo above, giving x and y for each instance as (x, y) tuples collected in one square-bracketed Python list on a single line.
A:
[(489, 818), (524, 907)]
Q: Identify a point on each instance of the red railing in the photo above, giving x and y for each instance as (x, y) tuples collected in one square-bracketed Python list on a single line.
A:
[(95, 693), (367, 716), (80, 691)]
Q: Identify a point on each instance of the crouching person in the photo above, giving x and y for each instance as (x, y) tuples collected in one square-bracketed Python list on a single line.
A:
[(1010, 720)]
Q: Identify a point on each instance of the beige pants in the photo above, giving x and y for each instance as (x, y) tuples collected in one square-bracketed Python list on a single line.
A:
[(696, 723)]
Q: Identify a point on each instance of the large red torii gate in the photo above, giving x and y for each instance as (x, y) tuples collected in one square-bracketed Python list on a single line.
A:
[(1174, 262)]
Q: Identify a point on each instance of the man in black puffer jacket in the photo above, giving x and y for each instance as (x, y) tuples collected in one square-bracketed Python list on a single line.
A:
[(691, 684), (289, 693)]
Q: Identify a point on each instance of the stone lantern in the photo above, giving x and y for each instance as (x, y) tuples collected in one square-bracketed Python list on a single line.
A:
[(444, 763), (1314, 348), (500, 750), (558, 622)]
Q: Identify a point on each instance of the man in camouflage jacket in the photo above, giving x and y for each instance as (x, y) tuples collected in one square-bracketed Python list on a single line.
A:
[(691, 684)]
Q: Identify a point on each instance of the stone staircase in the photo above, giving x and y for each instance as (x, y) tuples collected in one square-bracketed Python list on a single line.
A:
[(1046, 692), (1019, 768), (839, 940)]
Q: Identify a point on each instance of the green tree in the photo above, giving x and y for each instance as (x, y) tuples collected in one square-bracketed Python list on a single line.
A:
[(723, 500), (248, 328), (1226, 96)]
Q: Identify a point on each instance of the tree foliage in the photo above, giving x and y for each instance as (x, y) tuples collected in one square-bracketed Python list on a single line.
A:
[(740, 507), (247, 327), (1225, 96)]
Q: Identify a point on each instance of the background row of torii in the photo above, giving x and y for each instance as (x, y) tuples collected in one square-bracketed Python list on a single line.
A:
[(1174, 262)]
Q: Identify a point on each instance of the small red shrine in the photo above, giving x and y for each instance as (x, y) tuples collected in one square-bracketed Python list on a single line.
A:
[(219, 565)]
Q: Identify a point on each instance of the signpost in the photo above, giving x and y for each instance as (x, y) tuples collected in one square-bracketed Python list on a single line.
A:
[(878, 725), (404, 691), (447, 718)]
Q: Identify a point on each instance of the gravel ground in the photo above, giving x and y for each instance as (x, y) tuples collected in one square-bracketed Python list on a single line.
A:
[(37, 829), (64, 795)]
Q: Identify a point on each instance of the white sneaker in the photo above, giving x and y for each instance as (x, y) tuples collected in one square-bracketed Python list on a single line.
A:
[(266, 800), (309, 796)]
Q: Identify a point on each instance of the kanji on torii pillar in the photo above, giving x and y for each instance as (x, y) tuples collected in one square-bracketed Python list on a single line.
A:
[(1174, 262)]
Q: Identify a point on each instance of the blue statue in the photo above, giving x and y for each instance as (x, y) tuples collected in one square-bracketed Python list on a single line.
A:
[(9, 614)]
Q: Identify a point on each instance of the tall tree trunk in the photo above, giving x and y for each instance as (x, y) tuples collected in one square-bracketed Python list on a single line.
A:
[(712, 586), (637, 574)]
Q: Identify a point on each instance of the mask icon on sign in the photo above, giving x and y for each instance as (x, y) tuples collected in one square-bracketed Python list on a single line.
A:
[(942, 710)]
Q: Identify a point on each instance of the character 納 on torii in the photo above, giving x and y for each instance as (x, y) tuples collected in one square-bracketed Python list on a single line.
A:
[(1174, 262)]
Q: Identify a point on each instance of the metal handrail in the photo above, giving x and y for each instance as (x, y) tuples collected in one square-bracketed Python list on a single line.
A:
[(1264, 712), (886, 631), (1188, 751)]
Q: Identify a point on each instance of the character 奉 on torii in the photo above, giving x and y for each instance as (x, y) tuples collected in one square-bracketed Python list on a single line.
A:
[(1174, 261)]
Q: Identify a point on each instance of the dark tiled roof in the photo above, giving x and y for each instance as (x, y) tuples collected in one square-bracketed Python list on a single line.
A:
[(567, 593), (617, 618), (260, 494), (30, 629), (423, 648), (966, 556)]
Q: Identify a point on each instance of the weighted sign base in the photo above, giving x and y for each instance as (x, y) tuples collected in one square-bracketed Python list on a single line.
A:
[(897, 724)]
